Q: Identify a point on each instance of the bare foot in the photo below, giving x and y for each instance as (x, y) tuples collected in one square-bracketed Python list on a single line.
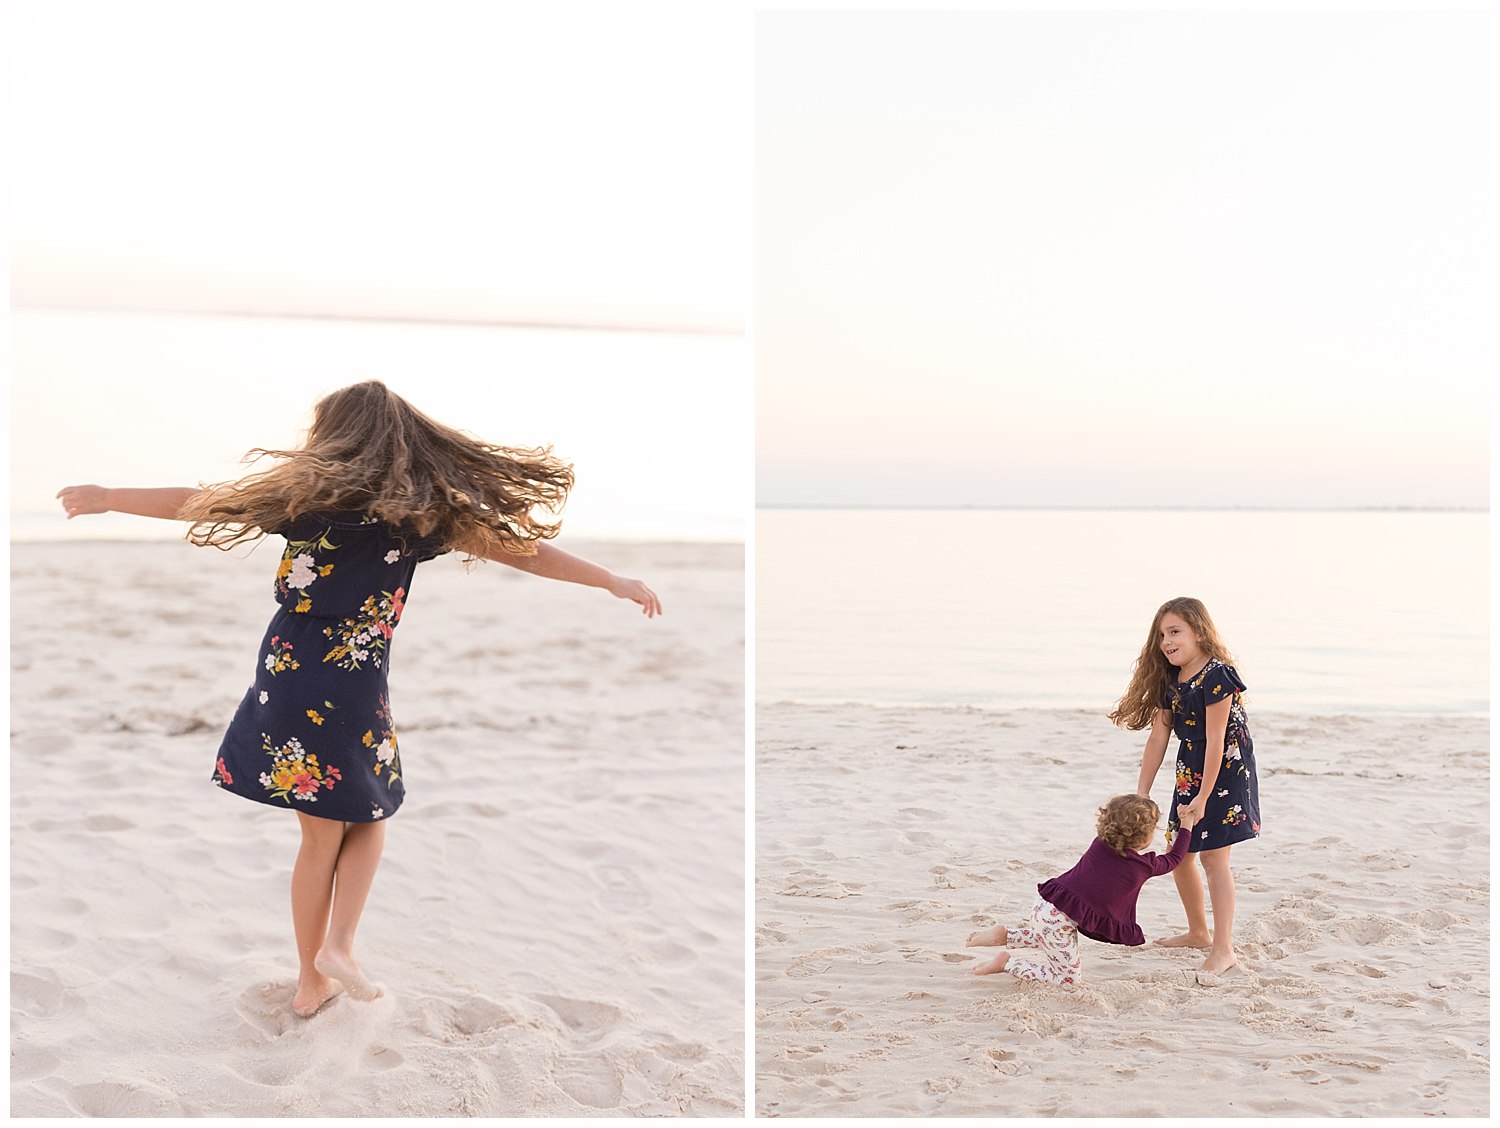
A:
[(1218, 963), (1186, 940), (313, 994), (341, 966), (994, 965), (987, 938)]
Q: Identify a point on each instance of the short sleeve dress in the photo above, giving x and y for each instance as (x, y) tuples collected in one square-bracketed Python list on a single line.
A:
[(314, 732), (1232, 813)]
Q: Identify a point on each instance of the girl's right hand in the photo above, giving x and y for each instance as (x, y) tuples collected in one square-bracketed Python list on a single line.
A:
[(622, 588), (77, 500)]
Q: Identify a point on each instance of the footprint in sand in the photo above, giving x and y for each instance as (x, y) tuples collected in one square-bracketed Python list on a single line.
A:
[(480, 1015), (383, 1059), (106, 823), (111, 1098), (811, 883), (620, 891), (266, 1008), (591, 1081), (582, 1016), (682, 1053), (765, 934), (40, 996), (803, 968)]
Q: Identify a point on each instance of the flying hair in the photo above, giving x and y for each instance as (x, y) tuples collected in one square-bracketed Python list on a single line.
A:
[(370, 452)]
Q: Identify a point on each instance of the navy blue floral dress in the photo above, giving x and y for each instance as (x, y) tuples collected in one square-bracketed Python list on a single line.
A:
[(314, 732), (1232, 813)]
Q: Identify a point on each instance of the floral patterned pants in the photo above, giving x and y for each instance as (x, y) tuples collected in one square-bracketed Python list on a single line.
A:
[(1055, 937)]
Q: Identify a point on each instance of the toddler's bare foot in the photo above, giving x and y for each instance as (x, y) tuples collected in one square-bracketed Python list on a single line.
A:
[(341, 966), (314, 992), (991, 966), (987, 938), (1186, 940), (1218, 963)]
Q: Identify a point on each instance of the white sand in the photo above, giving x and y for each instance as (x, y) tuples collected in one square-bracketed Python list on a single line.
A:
[(558, 922), (883, 837)]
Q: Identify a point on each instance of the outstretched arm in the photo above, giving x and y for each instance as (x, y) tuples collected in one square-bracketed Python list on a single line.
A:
[(166, 501), (551, 562)]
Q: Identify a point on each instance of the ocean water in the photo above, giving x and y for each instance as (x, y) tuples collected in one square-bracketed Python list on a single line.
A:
[(1327, 612), (657, 425)]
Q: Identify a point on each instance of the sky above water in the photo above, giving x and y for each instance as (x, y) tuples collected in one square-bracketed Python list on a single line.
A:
[(1125, 258)]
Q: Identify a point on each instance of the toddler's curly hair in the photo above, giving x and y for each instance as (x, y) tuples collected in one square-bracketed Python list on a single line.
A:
[(1128, 822)]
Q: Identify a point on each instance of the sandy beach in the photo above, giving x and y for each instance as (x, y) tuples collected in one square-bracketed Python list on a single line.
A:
[(558, 921), (885, 836)]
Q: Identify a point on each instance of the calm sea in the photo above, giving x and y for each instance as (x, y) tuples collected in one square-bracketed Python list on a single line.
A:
[(657, 425), (1328, 612)]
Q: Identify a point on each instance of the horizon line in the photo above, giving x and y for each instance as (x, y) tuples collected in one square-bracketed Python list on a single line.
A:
[(399, 319), (1086, 506)]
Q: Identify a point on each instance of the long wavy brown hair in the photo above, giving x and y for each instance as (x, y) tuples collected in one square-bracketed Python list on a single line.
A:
[(1128, 822), (1152, 672), (370, 452)]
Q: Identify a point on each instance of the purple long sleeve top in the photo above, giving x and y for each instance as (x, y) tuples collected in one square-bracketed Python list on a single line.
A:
[(1100, 892)]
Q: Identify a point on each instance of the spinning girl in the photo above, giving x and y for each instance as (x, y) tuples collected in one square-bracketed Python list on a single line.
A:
[(376, 489), (1183, 683)]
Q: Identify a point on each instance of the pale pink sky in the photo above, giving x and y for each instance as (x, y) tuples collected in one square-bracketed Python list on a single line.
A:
[(445, 161), (1125, 258)]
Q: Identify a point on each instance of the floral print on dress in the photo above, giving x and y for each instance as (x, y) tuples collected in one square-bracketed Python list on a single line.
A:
[(295, 773), (321, 672), (362, 637), (387, 757), (279, 659), (1232, 811), (1187, 779), (299, 569)]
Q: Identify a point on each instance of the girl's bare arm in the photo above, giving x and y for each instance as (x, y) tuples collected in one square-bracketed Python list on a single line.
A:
[(165, 501), (553, 563), (1156, 750)]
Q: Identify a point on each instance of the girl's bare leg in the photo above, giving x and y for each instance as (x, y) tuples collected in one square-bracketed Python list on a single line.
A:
[(1190, 889), (987, 938), (312, 893), (358, 859), (990, 967), (1221, 955)]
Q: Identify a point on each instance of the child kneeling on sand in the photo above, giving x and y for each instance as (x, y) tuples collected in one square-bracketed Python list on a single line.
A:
[(1096, 897)]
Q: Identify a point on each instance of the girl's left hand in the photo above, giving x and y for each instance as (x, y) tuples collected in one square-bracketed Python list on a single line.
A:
[(636, 592), (1190, 814), (78, 500)]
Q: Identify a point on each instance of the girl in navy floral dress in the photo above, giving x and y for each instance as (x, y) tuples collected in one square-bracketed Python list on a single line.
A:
[(377, 488), (1184, 684)]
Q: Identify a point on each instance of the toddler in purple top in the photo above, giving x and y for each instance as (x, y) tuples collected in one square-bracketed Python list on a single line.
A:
[(1096, 897)]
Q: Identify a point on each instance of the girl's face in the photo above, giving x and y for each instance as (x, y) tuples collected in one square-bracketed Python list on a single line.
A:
[(1179, 643)]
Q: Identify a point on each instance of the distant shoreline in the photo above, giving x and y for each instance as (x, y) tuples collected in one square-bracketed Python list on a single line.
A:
[(1281, 714), (958, 507), (74, 534)]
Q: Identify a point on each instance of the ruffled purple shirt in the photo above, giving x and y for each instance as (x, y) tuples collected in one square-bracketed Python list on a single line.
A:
[(1100, 892)]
